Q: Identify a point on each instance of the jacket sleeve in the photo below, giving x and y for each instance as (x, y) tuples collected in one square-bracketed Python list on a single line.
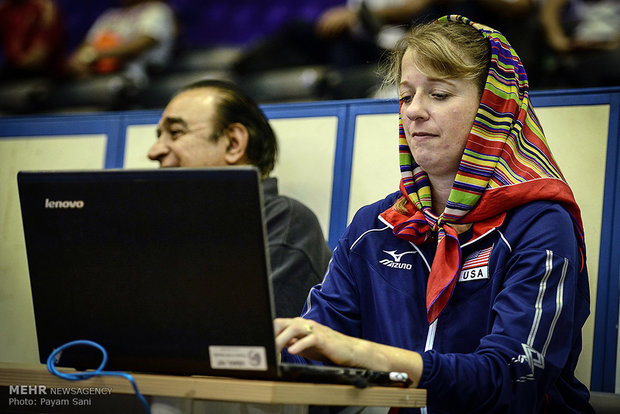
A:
[(336, 302), (538, 307), (333, 302)]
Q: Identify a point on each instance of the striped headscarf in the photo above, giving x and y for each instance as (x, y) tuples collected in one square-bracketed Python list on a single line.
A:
[(506, 163)]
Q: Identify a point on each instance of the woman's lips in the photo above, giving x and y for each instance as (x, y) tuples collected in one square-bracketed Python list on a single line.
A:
[(423, 135)]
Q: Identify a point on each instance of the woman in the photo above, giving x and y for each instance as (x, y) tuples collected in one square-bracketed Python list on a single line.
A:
[(472, 278)]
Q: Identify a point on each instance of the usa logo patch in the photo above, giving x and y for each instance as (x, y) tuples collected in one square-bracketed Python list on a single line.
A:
[(476, 266)]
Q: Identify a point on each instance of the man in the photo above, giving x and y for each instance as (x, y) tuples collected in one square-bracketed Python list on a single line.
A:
[(212, 123)]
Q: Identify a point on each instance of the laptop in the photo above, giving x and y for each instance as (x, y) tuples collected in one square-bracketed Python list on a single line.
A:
[(167, 269)]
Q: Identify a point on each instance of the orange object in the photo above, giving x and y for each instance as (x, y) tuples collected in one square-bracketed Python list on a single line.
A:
[(106, 41)]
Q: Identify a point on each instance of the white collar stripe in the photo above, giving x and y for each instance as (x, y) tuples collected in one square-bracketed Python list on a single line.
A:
[(505, 241), (428, 266), (430, 337), (365, 233)]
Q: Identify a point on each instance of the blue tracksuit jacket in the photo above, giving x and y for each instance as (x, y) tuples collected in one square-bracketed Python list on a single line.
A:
[(509, 339)]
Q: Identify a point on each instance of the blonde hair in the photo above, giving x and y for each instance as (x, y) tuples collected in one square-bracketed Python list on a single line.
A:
[(444, 50)]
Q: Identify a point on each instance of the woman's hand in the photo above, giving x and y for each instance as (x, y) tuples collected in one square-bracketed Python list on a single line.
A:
[(312, 340)]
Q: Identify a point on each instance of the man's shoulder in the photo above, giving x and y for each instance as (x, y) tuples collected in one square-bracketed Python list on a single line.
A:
[(279, 204), (282, 207)]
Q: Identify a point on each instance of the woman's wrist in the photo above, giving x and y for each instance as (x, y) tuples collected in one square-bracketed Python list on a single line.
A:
[(381, 357), (370, 355)]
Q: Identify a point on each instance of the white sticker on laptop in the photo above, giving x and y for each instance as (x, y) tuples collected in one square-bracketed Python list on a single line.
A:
[(238, 357)]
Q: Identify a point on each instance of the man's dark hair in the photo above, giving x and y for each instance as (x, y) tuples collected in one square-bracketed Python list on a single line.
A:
[(234, 105)]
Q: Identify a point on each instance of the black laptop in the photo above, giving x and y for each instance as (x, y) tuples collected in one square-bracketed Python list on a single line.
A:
[(167, 269)]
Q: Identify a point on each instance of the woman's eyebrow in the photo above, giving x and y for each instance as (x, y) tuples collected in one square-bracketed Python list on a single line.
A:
[(431, 80)]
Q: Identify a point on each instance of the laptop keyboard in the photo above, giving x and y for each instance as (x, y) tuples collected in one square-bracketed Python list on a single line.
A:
[(358, 377)]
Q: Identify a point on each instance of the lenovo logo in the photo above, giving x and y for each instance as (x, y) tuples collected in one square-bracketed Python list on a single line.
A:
[(63, 204)]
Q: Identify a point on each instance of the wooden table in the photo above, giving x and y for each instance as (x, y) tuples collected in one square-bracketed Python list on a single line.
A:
[(216, 388)]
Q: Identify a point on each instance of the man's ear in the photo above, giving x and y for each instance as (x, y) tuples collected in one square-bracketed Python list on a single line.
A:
[(237, 136)]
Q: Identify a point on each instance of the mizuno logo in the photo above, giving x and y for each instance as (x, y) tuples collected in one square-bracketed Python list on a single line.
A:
[(397, 256), (63, 204), (396, 262)]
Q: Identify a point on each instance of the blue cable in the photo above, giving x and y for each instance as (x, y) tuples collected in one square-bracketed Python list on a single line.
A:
[(78, 376)]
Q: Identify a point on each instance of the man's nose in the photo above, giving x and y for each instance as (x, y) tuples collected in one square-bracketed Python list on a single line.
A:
[(158, 149)]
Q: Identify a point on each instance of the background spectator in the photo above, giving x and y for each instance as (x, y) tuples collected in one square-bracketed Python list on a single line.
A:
[(32, 38), (584, 40), (133, 38), (342, 36), (357, 34)]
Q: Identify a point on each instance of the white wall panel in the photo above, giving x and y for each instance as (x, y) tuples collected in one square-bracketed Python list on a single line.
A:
[(305, 168)]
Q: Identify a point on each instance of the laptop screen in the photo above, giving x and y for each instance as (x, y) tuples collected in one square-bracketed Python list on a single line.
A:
[(166, 269)]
